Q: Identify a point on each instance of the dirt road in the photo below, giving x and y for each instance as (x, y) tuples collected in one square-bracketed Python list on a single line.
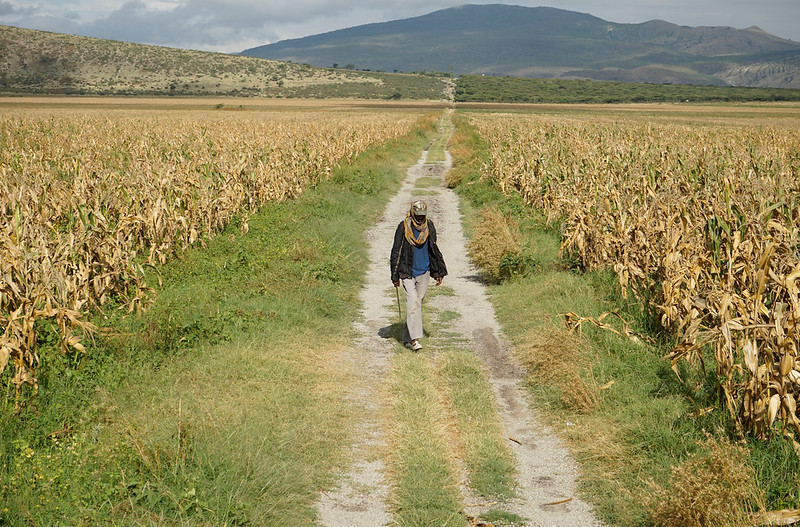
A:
[(546, 483)]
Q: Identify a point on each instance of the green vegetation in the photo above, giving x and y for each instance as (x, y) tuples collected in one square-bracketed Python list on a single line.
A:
[(502, 518), (496, 247), (478, 88), (488, 460), (375, 85), (639, 431), (425, 491), (223, 403), (436, 150), (427, 182)]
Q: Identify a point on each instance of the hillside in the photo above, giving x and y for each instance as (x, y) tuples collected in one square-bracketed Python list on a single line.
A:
[(548, 42), (39, 62)]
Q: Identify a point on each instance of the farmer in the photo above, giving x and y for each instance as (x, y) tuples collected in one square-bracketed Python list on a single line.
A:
[(416, 259)]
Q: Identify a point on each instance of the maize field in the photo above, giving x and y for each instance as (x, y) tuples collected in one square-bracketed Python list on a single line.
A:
[(701, 220), (89, 199)]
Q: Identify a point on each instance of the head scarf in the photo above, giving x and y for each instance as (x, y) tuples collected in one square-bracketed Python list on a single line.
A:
[(411, 225)]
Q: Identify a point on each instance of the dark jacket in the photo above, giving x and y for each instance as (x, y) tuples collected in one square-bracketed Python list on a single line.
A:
[(401, 259)]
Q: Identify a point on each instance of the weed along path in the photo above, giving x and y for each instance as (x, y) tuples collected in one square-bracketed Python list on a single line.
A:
[(446, 435)]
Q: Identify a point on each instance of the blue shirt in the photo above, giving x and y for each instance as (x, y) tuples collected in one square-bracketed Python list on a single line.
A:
[(421, 259)]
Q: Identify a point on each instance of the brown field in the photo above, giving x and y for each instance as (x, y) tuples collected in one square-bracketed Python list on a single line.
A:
[(697, 211), (92, 190), (46, 105), (778, 113)]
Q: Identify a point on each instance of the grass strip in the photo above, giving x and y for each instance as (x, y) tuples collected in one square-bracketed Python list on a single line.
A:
[(424, 489), (501, 518), (488, 460), (223, 403), (436, 151)]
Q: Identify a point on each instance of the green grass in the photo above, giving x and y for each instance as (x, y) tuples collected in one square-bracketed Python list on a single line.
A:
[(436, 151), (502, 518), (427, 182), (449, 316), (425, 491), (442, 290), (223, 403), (628, 434), (376, 85), (488, 460)]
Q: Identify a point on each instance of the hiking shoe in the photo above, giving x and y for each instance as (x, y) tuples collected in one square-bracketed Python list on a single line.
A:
[(415, 345)]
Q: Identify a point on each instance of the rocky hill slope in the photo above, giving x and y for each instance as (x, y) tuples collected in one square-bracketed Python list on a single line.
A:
[(40, 62)]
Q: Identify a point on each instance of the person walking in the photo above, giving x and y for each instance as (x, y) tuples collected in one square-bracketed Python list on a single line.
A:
[(415, 259)]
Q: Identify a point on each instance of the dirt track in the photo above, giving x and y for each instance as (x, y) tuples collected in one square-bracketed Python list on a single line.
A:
[(547, 473)]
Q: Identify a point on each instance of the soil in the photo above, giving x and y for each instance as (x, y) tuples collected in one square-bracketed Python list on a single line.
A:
[(547, 473)]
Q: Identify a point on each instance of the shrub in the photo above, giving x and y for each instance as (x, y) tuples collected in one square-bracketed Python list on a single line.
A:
[(714, 487), (496, 246), (553, 360), (496, 238)]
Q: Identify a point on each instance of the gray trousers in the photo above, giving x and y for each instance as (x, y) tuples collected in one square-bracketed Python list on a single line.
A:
[(415, 289)]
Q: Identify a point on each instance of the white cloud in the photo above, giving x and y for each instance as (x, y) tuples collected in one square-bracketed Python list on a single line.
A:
[(233, 25), (9, 9)]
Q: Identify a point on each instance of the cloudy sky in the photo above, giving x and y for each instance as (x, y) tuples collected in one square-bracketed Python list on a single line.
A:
[(235, 25)]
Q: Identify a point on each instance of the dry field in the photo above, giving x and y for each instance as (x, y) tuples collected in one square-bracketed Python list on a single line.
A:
[(697, 211), (93, 191)]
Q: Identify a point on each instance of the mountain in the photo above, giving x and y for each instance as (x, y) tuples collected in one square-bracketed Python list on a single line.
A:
[(548, 42), (40, 62)]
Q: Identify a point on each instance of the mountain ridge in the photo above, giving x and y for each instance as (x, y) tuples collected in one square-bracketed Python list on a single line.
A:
[(498, 39)]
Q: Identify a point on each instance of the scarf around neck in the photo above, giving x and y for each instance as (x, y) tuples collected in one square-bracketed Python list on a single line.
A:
[(411, 225)]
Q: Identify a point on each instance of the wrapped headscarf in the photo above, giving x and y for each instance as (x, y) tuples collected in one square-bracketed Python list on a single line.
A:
[(417, 220)]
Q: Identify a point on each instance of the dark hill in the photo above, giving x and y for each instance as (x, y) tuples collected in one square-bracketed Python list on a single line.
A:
[(548, 42)]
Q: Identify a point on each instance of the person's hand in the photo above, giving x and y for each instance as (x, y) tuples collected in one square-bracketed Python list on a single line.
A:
[(396, 283), (438, 281)]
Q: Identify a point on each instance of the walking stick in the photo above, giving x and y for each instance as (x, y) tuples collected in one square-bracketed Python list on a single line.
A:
[(399, 311)]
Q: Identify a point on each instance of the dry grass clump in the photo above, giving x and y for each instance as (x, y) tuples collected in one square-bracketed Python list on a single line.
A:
[(496, 237), (553, 360), (716, 487)]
